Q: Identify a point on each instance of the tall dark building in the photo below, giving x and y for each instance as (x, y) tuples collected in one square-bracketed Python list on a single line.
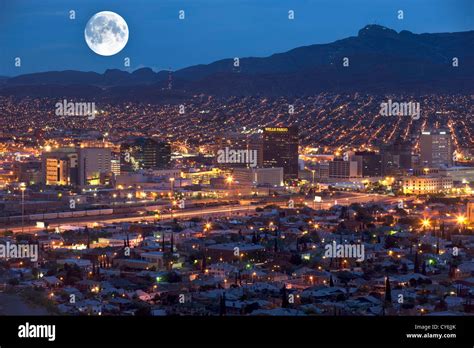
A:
[(239, 142), (368, 163), (144, 153), (280, 149), (396, 157)]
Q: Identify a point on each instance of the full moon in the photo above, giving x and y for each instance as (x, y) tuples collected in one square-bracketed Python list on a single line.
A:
[(106, 33)]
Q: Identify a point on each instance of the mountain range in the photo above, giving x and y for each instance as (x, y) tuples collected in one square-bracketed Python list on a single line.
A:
[(379, 60)]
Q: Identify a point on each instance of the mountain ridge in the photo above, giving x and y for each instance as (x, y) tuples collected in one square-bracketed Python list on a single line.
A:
[(379, 59)]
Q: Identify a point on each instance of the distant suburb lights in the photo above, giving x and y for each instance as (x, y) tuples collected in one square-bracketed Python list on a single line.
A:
[(106, 33)]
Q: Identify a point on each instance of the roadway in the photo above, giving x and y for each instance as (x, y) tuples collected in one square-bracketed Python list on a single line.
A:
[(343, 199)]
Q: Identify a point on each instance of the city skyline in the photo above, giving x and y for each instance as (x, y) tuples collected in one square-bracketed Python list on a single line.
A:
[(223, 160)]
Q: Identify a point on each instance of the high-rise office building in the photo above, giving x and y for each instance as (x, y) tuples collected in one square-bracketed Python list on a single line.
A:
[(470, 212), (339, 169), (60, 167), (238, 151), (28, 171), (115, 166), (396, 157), (368, 163), (76, 166), (280, 149), (144, 153), (93, 163), (436, 149)]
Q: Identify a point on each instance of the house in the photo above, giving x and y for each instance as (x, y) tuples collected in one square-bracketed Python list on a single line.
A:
[(154, 258)]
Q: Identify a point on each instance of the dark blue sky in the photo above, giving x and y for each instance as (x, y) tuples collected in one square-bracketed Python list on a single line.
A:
[(41, 33)]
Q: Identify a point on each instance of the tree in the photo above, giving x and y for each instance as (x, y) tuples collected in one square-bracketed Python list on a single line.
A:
[(388, 291), (254, 237), (172, 277), (284, 297), (222, 307), (331, 281), (389, 220), (295, 259), (87, 232), (203, 264), (172, 242), (416, 268)]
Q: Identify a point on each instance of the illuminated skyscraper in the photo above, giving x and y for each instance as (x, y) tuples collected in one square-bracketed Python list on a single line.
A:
[(436, 148), (280, 149), (144, 153)]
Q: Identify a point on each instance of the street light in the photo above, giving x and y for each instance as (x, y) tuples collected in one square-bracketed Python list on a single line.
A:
[(426, 223), (22, 189), (461, 220)]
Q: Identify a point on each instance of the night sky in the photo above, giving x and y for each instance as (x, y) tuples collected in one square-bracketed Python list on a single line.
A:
[(41, 33)]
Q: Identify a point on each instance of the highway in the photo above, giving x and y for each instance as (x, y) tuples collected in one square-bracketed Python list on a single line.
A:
[(109, 219), (344, 199)]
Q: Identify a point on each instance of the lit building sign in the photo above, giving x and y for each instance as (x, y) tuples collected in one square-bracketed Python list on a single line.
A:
[(274, 129)]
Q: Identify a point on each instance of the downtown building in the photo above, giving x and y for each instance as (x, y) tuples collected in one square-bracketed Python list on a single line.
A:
[(144, 153), (436, 149), (28, 171), (470, 212), (369, 164), (396, 158), (259, 176), (238, 151), (76, 166), (60, 167), (280, 149), (340, 169), (428, 184)]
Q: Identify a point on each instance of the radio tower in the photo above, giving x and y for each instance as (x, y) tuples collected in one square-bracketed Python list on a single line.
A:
[(170, 79)]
